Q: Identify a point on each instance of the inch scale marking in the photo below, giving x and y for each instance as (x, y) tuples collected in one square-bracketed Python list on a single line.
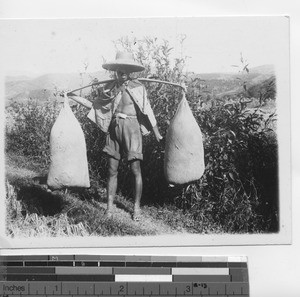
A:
[(103, 276)]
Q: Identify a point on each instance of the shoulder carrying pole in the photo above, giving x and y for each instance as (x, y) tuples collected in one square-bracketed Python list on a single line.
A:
[(160, 82), (139, 79)]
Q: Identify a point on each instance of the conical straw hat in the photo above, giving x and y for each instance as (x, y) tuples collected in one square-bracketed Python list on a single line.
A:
[(124, 61)]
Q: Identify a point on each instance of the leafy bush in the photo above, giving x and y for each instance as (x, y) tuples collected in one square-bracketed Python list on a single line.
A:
[(241, 157), (30, 133)]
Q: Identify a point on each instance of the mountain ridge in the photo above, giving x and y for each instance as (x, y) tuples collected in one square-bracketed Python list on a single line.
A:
[(44, 87)]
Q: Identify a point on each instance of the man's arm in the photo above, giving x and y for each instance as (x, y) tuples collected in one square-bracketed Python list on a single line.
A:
[(80, 100)]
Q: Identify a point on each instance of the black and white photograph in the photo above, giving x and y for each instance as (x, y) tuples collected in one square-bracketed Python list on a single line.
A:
[(146, 131)]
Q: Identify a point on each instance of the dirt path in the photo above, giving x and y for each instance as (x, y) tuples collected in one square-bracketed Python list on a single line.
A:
[(80, 207)]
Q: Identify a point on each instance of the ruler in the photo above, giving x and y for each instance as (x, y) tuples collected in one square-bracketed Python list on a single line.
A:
[(117, 275)]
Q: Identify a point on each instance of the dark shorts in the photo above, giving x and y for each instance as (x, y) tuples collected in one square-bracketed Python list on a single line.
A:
[(124, 139)]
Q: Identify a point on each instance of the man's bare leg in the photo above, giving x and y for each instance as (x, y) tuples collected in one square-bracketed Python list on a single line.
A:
[(138, 187), (112, 183)]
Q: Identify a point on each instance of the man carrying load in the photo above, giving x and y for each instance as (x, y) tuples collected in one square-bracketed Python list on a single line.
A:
[(122, 110)]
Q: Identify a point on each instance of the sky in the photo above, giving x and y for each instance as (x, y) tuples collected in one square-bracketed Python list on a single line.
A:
[(35, 47)]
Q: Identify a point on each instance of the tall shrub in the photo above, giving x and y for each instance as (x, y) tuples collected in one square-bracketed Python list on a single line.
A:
[(30, 132)]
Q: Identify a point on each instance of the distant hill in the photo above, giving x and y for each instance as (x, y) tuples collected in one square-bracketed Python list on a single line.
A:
[(21, 88), (222, 84), (43, 87)]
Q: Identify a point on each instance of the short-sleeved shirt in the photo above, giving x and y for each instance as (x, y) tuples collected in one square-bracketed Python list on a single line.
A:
[(104, 109)]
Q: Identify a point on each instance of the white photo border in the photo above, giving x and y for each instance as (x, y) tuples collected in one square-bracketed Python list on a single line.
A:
[(283, 237)]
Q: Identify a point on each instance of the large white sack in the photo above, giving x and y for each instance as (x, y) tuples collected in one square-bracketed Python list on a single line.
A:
[(69, 166), (184, 154)]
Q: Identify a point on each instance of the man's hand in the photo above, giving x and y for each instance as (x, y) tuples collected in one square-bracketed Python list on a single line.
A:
[(79, 99), (61, 93), (66, 94), (70, 94), (184, 87), (157, 134)]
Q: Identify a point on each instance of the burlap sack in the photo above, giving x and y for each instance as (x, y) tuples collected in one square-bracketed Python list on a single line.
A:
[(184, 155), (69, 166)]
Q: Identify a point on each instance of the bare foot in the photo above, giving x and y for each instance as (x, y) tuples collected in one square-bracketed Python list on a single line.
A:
[(136, 216), (108, 214)]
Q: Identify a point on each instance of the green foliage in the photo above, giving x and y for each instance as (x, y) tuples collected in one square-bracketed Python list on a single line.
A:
[(238, 191), (241, 161), (30, 131)]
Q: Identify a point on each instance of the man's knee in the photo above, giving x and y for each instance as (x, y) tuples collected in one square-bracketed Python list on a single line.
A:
[(136, 168)]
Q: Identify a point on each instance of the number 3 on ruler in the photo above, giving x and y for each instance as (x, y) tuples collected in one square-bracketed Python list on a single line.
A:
[(188, 289)]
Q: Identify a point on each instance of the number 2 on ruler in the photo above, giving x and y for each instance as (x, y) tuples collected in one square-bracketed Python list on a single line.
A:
[(121, 290)]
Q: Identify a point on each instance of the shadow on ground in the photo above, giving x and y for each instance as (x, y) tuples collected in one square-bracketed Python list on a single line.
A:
[(36, 198)]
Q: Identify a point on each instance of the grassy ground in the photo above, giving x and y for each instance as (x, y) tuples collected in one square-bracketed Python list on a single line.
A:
[(34, 210)]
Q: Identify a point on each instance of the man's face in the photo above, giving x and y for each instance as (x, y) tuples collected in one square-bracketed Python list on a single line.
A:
[(121, 76)]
